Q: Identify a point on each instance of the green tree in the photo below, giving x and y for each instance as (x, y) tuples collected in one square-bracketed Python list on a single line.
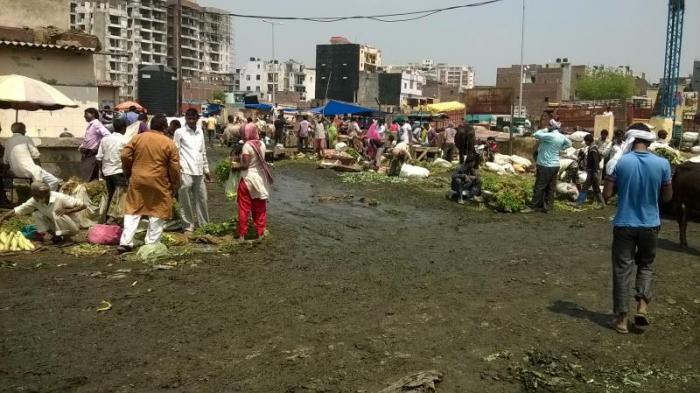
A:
[(605, 85), (219, 96)]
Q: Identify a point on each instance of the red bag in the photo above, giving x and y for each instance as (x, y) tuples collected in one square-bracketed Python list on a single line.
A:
[(107, 235)]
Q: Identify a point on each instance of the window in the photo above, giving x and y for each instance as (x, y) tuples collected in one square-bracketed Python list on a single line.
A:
[(247, 88), (257, 88), (258, 66), (257, 77), (405, 85), (247, 77), (546, 99)]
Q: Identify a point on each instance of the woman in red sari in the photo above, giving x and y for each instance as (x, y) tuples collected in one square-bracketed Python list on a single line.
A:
[(254, 187)]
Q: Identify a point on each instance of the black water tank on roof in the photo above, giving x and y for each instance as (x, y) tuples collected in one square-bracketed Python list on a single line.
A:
[(157, 86)]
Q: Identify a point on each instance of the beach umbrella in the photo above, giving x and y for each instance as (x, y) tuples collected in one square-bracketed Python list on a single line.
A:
[(19, 92), (124, 106)]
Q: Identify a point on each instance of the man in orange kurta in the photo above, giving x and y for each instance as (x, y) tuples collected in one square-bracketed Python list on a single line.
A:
[(152, 164)]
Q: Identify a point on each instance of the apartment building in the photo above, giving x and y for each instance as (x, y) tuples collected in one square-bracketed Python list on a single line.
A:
[(260, 77), (138, 33), (340, 66), (461, 76)]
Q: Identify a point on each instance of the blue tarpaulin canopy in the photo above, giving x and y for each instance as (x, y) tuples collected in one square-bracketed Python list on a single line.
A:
[(334, 107), (260, 107)]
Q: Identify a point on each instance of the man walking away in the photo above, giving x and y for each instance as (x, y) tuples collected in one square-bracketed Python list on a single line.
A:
[(22, 156), (280, 123), (152, 165), (551, 142), (592, 166), (639, 177), (109, 154), (211, 127), (88, 149), (449, 147), (303, 134), (195, 169)]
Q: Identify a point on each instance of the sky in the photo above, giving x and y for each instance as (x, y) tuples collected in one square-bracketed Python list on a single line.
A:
[(610, 32)]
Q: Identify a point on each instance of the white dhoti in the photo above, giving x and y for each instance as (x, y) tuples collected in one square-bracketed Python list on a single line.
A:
[(65, 225), (131, 225)]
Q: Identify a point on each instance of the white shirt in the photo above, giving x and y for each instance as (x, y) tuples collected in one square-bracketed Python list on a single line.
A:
[(20, 154), (56, 200), (406, 133), (110, 153), (193, 153), (320, 131), (608, 113)]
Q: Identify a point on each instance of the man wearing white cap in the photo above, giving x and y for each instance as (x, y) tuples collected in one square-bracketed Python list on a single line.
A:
[(639, 176)]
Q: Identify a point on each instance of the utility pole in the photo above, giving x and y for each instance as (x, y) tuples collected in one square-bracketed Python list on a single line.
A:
[(178, 53), (274, 65), (522, 72)]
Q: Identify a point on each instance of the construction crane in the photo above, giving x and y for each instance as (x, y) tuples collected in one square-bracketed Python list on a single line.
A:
[(674, 37)]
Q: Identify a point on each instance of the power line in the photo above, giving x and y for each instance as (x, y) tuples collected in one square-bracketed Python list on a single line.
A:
[(402, 16)]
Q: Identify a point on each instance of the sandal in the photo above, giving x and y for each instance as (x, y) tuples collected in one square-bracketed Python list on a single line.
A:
[(619, 329), (641, 319)]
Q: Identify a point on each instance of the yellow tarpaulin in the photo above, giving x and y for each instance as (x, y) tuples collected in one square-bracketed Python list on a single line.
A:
[(443, 107)]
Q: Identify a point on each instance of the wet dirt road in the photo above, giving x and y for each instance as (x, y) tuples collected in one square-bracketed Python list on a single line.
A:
[(349, 296)]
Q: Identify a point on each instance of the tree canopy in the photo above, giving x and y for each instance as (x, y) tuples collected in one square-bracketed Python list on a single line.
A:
[(605, 85), (219, 96)]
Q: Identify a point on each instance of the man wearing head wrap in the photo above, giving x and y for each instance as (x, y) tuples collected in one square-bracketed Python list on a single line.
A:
[(550, 143), (54, 213), (639, 177)]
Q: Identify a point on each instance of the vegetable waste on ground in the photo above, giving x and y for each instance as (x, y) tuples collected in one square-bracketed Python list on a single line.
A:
[(511, 193)]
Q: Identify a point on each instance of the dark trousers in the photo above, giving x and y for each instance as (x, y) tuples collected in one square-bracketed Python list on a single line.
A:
[(448, 149), (89, 169), (632, 246), (303, 143), (545, 187), (462, 154), (112, 182), (593, 180), (471, 184), (210, 134)]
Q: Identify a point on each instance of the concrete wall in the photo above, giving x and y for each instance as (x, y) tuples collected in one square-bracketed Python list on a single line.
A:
[(368, 89), (35, 13), (71, 73), (59, 156)]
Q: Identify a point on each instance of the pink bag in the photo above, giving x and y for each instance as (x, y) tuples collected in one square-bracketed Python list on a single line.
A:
[(107, 235)]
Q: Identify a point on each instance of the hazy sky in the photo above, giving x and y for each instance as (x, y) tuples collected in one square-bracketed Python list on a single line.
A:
[(611, 32)]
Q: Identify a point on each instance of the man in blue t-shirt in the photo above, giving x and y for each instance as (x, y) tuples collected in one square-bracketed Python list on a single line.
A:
[(639, 177), (550, 143)]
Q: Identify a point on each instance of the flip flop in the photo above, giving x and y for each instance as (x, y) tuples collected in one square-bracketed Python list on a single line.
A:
[(641, 319)]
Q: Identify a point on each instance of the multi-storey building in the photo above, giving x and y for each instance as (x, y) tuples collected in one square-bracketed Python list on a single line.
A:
[(138, 33), (340, 66), (461, 76), (260, 77)]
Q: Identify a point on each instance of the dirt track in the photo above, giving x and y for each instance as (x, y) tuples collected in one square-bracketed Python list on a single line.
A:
[(348, 297)]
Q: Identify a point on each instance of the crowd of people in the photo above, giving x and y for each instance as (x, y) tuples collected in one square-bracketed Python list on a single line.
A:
[(147, 167)]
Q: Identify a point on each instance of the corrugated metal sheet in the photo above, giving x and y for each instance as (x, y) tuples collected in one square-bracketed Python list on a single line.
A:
[(21, 44)]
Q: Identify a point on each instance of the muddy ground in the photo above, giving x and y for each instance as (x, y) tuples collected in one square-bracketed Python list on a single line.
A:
[(347, 296)]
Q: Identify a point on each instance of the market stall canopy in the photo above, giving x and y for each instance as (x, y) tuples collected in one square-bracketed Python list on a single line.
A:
[(333, 108), (260, 107), (21, 93), (444, 107), (124, 106)]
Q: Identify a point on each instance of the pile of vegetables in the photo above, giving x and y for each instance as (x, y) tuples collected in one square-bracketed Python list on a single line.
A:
[(14, 241), (218, 229), (673, 158), (16, 223), (95, 189), (222, 171), (511, 193), (86, 250), (370, 178)]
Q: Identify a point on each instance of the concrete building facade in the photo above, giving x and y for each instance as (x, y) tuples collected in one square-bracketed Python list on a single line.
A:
[(461, 76), (339, 67), (260, 77)]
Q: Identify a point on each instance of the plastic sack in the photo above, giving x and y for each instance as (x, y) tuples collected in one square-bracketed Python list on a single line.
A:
[(116, 207), (578, 136), (341, 146), (523, 162), (152, 252), (690, 136), (93, 212), (695, 149), (501, 159), (582, 176), (567, 189), (106, 235), (231, 185), (442, 163), (408, 170), (500, 169)]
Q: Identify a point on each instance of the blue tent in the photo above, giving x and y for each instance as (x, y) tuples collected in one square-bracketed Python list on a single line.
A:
[(334, 107), (260, 107)]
